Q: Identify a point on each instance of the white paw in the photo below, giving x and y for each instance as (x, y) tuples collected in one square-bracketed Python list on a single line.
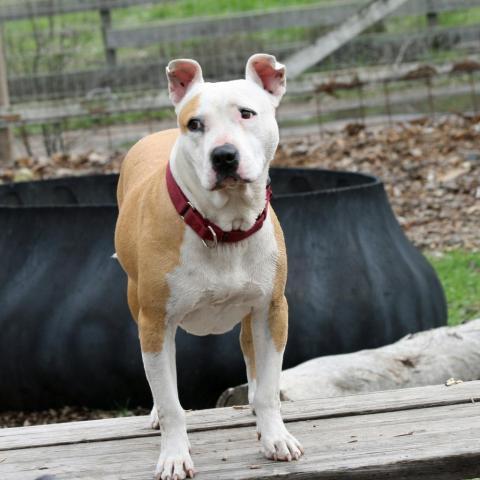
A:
[(175, 462), (279, 444), (153, 420)]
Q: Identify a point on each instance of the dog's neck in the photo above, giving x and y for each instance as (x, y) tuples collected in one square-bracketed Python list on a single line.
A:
[(230, 208)]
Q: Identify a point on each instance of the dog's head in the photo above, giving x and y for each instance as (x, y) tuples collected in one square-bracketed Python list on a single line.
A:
[(228, 129)]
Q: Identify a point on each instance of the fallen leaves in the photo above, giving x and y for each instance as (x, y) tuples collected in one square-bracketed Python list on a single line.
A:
[(430, 168), (65, 414), (61, 165)]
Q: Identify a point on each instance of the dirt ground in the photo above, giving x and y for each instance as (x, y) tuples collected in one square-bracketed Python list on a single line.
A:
[(65, 414), (431, 171)]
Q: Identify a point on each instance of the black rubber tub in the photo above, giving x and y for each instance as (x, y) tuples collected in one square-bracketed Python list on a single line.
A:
[(66, 334)]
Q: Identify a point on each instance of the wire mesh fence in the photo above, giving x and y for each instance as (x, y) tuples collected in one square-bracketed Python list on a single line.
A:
[(89, 74)]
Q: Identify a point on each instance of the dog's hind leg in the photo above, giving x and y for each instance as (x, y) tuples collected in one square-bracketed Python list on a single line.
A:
[(246, 342), (270, 327), (158, 353)]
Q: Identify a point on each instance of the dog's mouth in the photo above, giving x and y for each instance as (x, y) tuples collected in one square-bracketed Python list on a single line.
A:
[(232, 180)]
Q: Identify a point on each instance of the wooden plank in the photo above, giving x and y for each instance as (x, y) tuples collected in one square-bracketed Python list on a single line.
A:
[(79, 83), (367, 75), (39, 8), (337, 11), (378, 47), (386, 46), (137, 76), (47, 112), (5, 131), (440, 443), (340, 35), (382, 48), (323, 15), (203, 420), (219, 26), (305, 111)]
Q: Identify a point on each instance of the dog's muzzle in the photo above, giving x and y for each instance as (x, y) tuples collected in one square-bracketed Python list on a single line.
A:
[(225, 160)]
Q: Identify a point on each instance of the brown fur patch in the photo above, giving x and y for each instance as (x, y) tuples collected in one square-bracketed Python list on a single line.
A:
[(132, 298), (149, 234), (246, 342), (278, 314), (187, 112)]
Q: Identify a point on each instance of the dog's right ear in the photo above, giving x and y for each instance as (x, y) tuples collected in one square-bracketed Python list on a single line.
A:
[(182, 74)]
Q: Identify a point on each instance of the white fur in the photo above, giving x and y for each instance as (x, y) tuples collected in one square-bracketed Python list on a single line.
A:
[(175, 447), (212, 290), (256, 140)]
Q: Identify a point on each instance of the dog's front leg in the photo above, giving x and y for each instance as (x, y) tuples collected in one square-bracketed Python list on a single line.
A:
[(175, 461), (270, 326)]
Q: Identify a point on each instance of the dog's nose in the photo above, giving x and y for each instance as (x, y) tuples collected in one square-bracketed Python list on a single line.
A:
[(225, 158)]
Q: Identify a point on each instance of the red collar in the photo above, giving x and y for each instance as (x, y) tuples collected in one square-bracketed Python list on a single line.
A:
[(206, 230)]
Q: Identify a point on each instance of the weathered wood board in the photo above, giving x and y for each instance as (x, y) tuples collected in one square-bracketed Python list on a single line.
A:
[(417, 433)]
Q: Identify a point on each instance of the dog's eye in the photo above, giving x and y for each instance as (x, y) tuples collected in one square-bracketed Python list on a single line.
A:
[(247, 113), (195, 125)]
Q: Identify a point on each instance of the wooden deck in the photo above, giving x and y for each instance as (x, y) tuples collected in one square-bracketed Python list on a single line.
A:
[(418, 433)]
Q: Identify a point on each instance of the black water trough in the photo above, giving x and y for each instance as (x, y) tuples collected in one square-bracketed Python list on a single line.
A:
[(66, 334)]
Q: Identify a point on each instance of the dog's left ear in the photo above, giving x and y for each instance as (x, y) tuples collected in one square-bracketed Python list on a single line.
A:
[(264, 70), (182, 74)]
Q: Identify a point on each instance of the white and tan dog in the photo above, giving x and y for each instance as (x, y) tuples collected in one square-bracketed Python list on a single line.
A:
[(226, 267)]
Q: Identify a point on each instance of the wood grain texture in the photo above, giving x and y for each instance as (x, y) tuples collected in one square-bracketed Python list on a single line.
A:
[(222, 418), (343, 33), (423, 358), (439, 442), (11, 10), (6, 139), (306, 16), (296, 109)]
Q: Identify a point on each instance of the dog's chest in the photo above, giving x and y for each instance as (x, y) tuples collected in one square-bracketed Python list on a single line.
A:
[(213, 289)]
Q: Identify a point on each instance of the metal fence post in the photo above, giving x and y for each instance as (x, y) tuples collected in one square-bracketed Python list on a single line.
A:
[(110, 53), (5, 131)]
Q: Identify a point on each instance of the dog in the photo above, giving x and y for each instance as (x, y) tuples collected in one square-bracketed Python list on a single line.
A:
[(203, 249)]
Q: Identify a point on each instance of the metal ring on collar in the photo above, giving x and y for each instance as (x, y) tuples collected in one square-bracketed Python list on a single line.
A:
[(190, 206), (214, 242)]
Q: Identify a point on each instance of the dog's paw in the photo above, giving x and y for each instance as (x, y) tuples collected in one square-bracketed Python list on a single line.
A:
[(175, 463), (279, 444), (153, 419)]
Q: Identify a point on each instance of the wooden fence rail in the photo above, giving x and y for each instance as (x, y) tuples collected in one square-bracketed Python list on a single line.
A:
[(221, 60), (337, 10), (304, 16), (380, 47), (21, 10), (297, 108)]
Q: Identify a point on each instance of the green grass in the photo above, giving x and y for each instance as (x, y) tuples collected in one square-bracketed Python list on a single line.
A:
[(459, 273), (193, 8), (461, 18)]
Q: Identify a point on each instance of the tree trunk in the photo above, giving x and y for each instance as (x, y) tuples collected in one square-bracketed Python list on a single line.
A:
[(424, 358)]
